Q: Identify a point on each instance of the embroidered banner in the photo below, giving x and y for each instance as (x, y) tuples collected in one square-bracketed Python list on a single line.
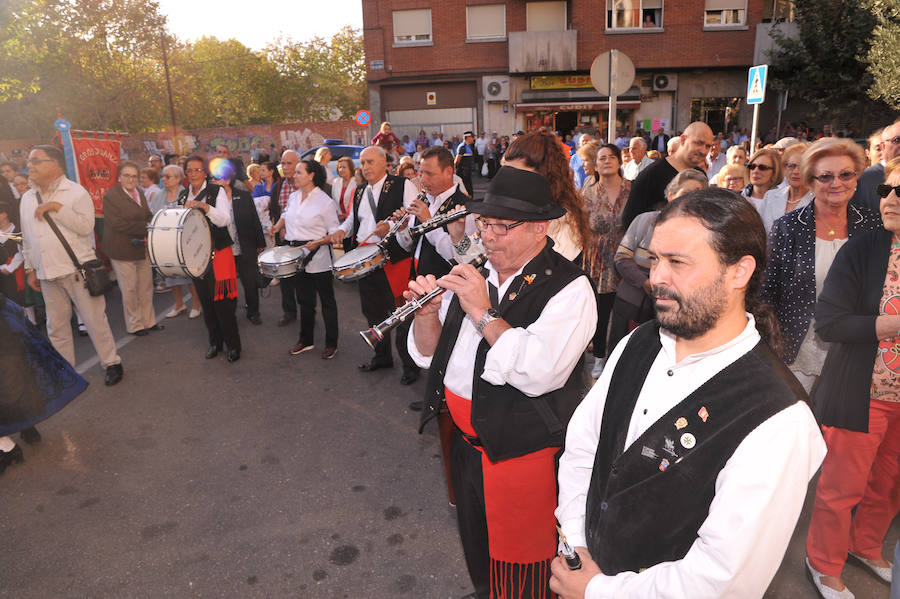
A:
[(97, 161)]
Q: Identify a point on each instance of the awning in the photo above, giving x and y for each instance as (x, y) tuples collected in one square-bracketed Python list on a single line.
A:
[(574, 106)]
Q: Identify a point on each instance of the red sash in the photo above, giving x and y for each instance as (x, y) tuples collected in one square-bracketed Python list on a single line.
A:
[(519, 497), (225, 274)]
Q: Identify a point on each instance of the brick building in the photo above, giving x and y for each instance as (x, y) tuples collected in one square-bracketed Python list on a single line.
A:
[(503, 65)]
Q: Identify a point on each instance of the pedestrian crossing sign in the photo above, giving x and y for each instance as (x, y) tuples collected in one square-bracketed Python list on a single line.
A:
[(756, 84)]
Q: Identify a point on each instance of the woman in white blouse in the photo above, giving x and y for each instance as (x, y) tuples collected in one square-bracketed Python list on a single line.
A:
[(308, 221), (778, 202), (343, 187)]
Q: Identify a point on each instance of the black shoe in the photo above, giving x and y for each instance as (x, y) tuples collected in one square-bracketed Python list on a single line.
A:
[(212, 352), (156, 327), (287, 319), (255, 319), (415, 406), (141, 333), (113, 375), (30, 435), (373, 365), (409, 377), (13, 456), (233, 355)]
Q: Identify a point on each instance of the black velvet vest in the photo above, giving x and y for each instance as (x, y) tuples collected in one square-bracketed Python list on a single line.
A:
[(220, 236), (391, 199), (508, 422), (430, 261), (646, 504)]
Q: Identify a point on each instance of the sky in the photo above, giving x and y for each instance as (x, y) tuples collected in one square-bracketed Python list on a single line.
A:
[(256, 23)]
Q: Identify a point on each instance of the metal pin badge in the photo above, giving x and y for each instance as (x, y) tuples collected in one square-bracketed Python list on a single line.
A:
[(681, 423), (688, 440), (663, 465), (703, 413)]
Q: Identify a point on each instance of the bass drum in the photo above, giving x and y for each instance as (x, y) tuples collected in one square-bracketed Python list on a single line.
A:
[(180, 242)]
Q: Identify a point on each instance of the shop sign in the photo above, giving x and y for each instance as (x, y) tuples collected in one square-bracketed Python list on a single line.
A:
[(562, 82)]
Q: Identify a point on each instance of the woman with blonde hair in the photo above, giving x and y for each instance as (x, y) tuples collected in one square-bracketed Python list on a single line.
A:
[(387, 141), (765, 174), (733, 177)]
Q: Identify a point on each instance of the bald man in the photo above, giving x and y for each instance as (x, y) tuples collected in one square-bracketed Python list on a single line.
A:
[(648, 191)]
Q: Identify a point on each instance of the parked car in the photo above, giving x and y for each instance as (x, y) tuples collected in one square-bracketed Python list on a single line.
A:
[(338, 150)]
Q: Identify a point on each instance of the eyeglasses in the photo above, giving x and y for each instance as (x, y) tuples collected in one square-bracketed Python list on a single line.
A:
[(791, 166), (894, 140), (827, 178), (34, 161), (124, 176), (734, 180), (498, 229), (194, 170), (763, 167), (884, 190)]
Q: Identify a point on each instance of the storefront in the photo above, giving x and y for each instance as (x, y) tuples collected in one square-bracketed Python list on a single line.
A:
[(564, 102)]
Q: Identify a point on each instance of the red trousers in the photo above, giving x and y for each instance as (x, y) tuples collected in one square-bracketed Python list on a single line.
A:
[(859, 469)]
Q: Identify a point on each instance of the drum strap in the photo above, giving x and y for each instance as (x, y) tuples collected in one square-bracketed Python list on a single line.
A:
[(371, 199)]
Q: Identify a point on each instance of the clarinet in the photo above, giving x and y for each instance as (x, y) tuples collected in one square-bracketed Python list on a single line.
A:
[(395, 225), (436, 222), (374, 335)]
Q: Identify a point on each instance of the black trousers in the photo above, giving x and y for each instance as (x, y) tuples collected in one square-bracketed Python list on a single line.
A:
[(377, 302), (604, 309), (219, 317), (307, 286), (246, 269), (468, 486), (288, 296)]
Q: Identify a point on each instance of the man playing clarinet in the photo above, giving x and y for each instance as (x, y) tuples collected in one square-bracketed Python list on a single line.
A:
[(504, 352)]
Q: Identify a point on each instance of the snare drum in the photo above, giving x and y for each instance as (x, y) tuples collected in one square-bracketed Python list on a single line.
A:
[(358, 263), (282, 261), (179, 242)]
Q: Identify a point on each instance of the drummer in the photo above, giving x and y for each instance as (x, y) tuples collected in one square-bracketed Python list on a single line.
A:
[(308, 221), (373, 204)]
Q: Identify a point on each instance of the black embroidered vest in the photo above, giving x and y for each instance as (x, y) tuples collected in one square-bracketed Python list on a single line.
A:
[(646, 504), (508, 422), (220, 236), (430, 261)]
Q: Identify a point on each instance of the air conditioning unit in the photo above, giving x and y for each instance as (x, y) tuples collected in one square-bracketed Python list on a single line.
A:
[(496, 89), (665, 83)]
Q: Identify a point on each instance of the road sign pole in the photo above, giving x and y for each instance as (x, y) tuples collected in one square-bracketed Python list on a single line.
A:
[(611, 119), (753, 131)]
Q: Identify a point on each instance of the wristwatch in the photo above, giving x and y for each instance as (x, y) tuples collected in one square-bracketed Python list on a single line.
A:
[(490, 315)]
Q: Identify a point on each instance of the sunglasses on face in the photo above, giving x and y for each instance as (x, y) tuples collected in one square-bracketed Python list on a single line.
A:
[(884, 190), (764, 168), (829, 177)]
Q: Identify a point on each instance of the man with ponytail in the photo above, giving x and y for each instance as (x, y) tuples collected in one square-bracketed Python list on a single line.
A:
[(686, 466)]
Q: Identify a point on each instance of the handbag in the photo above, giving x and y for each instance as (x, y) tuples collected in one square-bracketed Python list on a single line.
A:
[(96, 279)]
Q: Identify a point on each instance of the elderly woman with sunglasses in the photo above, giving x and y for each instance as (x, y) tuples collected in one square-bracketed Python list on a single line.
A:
[(794, 195), (802, 246), (765, 174), (858, 402)]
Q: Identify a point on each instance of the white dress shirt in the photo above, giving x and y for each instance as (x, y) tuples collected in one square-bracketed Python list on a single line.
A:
[(439, 238), (336, 187), (367, 220), (16, 260), (220, 214), (310, 219), (775, 203), (535, 360), (41, 248), (14, 190), (631, 170), (759, 492), (714, 166)]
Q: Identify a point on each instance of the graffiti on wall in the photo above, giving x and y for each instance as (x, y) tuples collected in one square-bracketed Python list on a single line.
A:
[(183, 144), (237, 145), (294, 138)]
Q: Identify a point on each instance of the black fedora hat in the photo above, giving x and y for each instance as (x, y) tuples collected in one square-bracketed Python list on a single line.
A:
[(517, 194)]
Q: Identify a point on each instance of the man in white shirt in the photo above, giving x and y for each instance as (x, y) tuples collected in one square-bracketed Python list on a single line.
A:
[(687, 464), (715, 160), (481, 144), (639, 159), (504, 353), (367, 223), (48, 267)]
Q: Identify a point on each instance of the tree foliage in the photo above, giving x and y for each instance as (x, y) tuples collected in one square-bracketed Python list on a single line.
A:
[(100, 63), (884, 55), (825, 63)]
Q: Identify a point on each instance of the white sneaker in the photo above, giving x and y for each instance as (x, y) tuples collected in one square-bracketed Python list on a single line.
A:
[(826, 592), (597, 370), (882, 572)]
